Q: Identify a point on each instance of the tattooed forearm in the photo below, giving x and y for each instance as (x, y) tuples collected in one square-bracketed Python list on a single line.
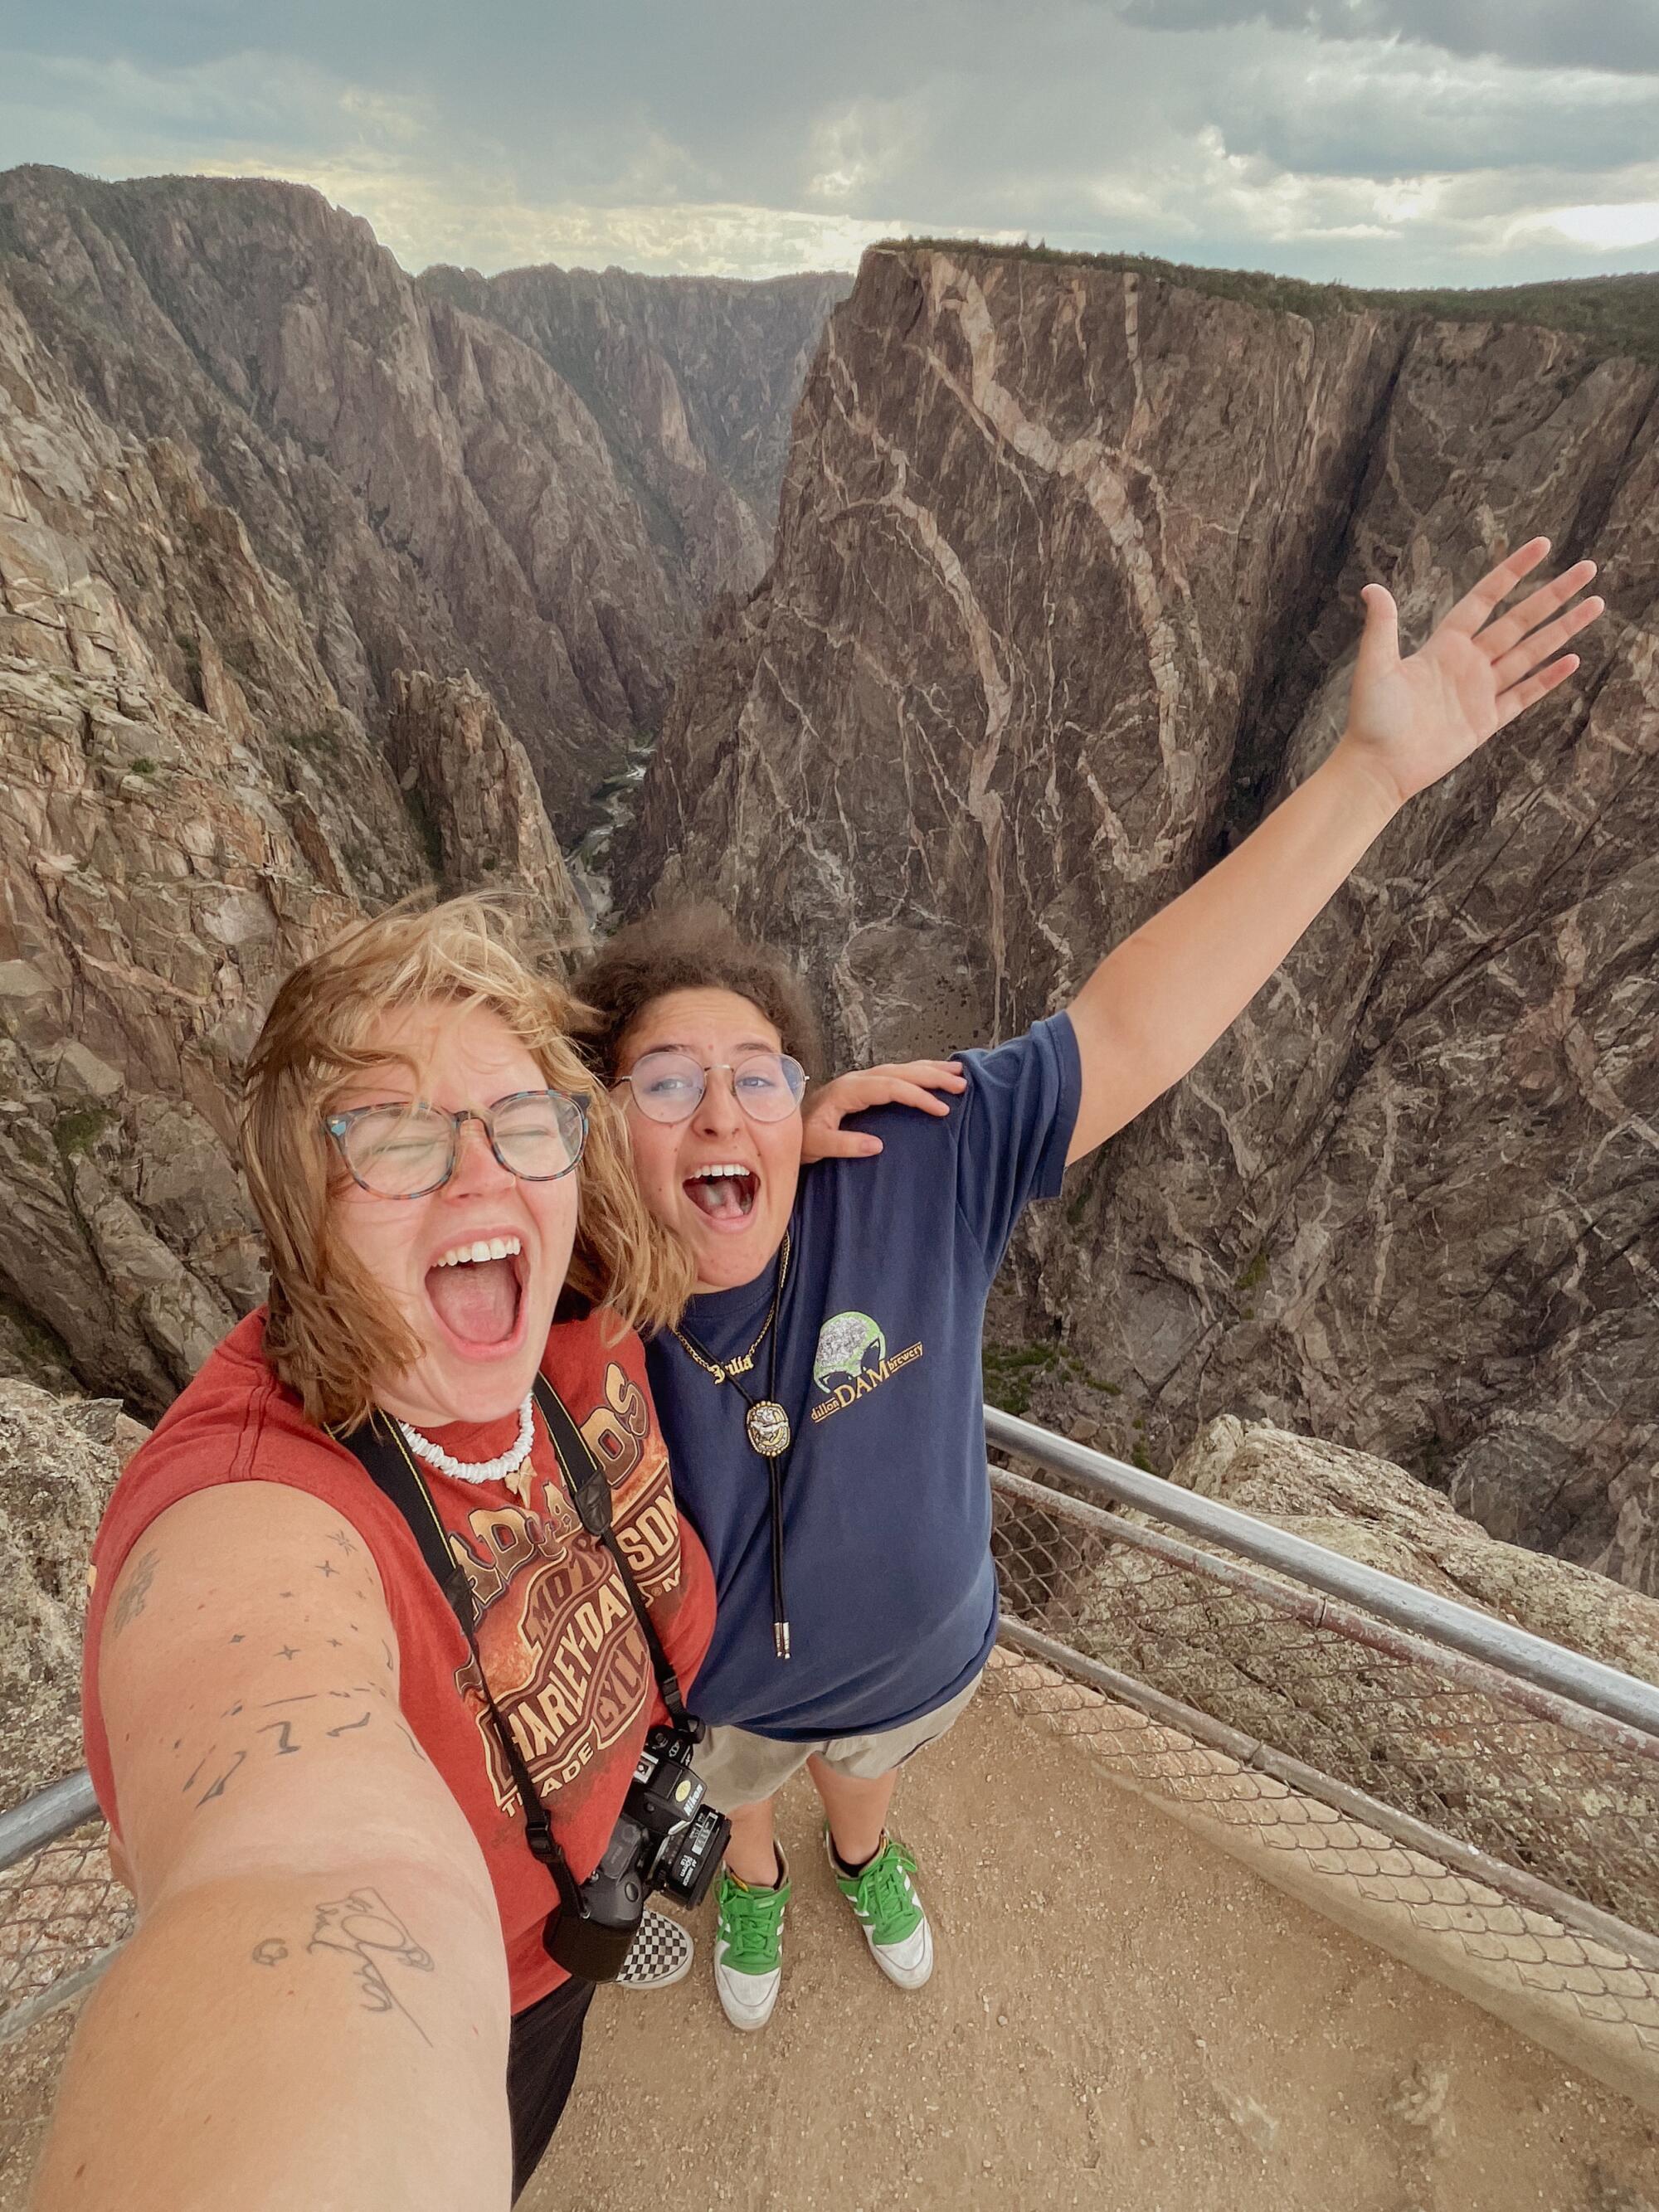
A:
[(362, 1929), (134, 1591), (365, 1929)]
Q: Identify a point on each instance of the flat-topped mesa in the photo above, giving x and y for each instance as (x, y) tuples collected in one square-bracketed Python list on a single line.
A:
[(1065, 595)]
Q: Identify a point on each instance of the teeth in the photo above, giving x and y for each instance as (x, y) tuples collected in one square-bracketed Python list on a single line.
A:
[(708, 1174), (495, 1247)]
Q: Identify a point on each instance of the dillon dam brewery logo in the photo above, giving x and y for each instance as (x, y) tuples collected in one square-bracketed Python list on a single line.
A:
[(854, 1347)]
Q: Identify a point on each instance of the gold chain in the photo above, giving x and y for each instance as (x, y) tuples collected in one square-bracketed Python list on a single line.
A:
[(719, 1369)]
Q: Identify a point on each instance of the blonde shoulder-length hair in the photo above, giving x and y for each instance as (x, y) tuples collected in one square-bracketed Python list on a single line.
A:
[(331, 1333)]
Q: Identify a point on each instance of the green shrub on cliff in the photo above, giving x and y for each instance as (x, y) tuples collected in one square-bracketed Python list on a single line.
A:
[(1614, 314)]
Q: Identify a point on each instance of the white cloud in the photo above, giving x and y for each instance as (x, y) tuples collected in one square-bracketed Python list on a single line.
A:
[(749, 141), (861, 148), (1604, 229)]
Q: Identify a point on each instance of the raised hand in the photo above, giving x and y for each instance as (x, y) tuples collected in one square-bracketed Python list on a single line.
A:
[(910, 1083), (1412, 720)]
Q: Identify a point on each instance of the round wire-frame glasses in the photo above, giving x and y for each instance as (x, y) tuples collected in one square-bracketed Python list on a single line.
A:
[(668, 1085), (409, 1151)]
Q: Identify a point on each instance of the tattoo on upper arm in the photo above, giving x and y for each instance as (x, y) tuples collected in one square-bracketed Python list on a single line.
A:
[(134, 1591), (292, 1735)]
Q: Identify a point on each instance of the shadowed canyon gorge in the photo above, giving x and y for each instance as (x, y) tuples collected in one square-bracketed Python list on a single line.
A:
[(318, 581)]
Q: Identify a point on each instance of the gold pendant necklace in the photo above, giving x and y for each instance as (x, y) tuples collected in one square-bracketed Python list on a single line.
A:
[(766, 1424)]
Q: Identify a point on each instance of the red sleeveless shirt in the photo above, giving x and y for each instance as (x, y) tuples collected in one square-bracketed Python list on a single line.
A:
[(560, 1643)]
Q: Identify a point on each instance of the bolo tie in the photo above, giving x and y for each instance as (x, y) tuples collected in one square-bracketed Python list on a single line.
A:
[(765, 1423)]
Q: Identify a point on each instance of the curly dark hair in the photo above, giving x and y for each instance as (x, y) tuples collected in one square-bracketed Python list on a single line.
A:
[(695, 947)]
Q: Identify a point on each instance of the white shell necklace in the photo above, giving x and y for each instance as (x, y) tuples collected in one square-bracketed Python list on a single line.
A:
[(483, 1470)]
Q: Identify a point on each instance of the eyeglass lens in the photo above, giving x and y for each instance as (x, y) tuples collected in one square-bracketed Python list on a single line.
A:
[(667, 1086), (402, 1151)]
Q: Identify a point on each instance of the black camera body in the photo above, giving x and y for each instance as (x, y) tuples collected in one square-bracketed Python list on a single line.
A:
[(665, 1840)]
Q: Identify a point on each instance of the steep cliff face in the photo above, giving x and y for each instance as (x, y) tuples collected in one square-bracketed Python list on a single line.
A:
[(476, 800), (1065, 592), (693, 380), (188, 807), (433, 491), (59, 1457)]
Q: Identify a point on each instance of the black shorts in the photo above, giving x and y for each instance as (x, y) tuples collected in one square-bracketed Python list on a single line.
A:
[(541, 2065)]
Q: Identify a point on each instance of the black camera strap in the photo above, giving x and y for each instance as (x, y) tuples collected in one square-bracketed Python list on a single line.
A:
[(381, 1447), (590, 1493)]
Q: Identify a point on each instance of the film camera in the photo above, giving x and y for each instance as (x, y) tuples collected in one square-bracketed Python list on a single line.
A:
[(666, 1839)]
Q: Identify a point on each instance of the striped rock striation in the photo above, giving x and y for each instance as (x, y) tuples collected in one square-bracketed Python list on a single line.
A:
[(1064, 598)]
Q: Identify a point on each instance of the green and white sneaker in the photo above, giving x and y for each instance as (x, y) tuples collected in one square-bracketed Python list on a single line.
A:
[(883, 1896), (749, 1948)]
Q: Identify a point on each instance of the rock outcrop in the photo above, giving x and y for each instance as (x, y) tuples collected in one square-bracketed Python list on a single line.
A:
[(58, 1460), (188, 807), (1065, 594), (435, 491), (477, 799), (693, 380), (1480, 1768)]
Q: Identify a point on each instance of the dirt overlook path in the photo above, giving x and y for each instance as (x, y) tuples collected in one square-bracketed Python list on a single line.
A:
[(1120, 2018)]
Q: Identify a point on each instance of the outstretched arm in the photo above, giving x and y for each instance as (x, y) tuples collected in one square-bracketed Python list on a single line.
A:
[(313, 2009), (1159, 1000)]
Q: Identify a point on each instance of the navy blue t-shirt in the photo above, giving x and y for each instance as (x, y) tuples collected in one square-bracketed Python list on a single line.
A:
[(887, 1581)]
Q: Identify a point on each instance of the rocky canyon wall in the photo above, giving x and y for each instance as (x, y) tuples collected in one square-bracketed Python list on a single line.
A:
[(693, 380), (188, 807), (1065, 596), (314, 587), (436, 491)]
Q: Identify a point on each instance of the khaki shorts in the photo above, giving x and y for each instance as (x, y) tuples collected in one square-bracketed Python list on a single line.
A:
[(737, 1768)]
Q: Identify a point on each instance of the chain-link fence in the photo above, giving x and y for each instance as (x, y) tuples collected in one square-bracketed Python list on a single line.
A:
[(62, 1912), (1560, 1801), (1486, 1824), (1585, 1997)]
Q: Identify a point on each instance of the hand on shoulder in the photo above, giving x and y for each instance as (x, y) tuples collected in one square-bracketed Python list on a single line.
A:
[(904, 1082)]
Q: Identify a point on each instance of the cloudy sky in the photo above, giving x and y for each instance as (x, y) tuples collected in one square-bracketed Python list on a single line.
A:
[(1380, 142)]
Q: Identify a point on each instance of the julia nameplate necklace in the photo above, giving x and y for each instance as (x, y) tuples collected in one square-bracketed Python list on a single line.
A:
[(766, 1422), (766, 1425)]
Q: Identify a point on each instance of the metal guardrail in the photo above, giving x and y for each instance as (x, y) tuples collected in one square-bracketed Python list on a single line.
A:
[(1528, 1658), (1529, 1774), (29, 1827), (1514, 1763)]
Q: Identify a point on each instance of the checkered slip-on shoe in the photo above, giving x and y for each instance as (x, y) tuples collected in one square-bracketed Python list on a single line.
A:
[(660, 1954)]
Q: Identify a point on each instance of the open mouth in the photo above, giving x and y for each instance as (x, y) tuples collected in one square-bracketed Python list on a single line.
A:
[(476, 1290), (725, 1193)]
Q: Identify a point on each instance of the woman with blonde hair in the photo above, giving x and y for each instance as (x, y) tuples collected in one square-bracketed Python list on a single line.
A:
[(317, 1775)]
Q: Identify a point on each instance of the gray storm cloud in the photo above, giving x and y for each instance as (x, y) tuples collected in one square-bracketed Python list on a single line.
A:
[(1377, 141)]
